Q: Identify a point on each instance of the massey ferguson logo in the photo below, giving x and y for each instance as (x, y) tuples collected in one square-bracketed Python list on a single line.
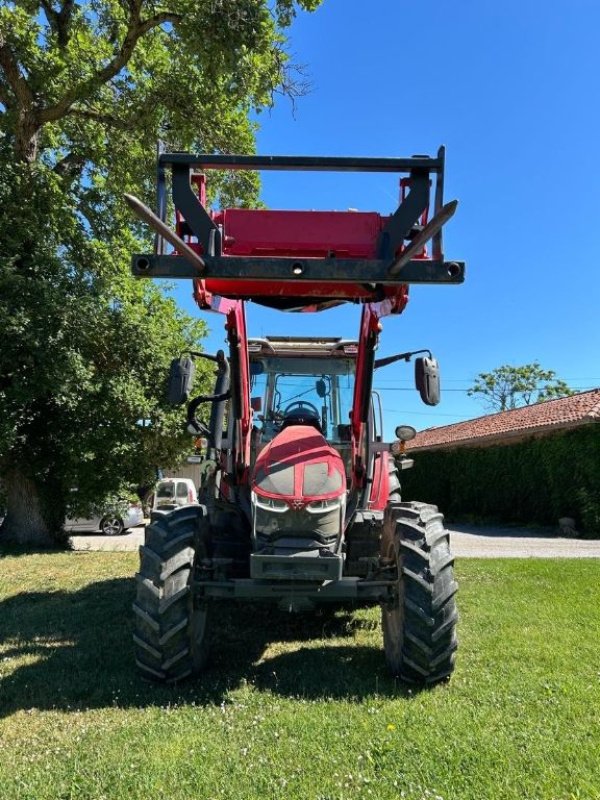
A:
[(297, 505)]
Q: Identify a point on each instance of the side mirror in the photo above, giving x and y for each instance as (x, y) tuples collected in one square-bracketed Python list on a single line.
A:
[(321, 388), (181, 378), (427, 380)]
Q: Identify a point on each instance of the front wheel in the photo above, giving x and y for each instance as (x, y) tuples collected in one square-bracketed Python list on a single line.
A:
[(171, 629), (419, 622)]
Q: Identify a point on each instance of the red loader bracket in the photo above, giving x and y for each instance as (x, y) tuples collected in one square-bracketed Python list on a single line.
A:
[(299, 260)]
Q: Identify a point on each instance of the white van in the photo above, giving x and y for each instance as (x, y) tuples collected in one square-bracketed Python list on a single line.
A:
[(171, 492)]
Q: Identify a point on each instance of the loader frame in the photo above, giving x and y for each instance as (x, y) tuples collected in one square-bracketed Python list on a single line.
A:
[(392, 265)]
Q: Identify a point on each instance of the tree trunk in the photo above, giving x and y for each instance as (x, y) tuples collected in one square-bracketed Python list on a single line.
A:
[(27, 135), (25, 522)]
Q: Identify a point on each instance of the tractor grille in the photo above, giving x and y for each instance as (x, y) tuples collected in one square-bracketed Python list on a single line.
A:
[(324, 528)]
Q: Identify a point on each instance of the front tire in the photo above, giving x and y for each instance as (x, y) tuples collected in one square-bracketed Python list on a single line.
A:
[(419, 623), (171, 631)]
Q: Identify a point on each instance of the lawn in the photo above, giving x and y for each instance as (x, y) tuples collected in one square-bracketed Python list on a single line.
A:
[(299, 707)]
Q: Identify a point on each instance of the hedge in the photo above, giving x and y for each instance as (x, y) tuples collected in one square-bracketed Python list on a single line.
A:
[(534, 481)]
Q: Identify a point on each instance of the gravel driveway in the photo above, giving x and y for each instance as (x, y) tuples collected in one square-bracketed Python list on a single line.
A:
[(130, 540), (467, 541), (483, 541)]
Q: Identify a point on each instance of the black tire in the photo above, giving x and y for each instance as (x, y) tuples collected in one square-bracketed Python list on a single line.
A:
[(111, 525), (171, 631), (419, 624)]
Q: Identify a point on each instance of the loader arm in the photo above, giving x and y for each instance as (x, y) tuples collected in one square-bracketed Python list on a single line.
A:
[(240, 421), (363, 387)]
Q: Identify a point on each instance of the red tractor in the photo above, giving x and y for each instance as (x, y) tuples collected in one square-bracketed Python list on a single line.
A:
[(300, 502)]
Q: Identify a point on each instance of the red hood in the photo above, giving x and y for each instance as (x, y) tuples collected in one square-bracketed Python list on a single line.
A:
[(300, 465)]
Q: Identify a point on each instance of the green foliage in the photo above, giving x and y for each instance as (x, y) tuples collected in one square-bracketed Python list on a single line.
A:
[(84, 355), (85, 93), (535, 481), (508, 387)]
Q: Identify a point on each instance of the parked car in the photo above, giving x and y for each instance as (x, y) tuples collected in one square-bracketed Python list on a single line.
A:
[(110, 522), (172, 492)]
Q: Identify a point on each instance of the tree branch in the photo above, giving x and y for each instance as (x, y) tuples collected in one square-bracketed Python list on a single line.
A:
[(105, 119), (4, 98), (51, 15), (14, 77), (70, 165), (59, 21), (64, 22), (136, 28)]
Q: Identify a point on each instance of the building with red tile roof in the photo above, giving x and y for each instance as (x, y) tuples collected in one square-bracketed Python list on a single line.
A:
[(508, 427)]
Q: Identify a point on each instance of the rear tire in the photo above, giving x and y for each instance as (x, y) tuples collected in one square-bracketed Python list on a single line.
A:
[(419, 624), (171, 631)]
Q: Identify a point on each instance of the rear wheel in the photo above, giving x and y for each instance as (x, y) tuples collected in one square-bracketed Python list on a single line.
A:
[(419, 623), (171, 631)]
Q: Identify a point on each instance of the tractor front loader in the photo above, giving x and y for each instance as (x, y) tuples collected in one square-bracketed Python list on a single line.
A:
[(300, 498)]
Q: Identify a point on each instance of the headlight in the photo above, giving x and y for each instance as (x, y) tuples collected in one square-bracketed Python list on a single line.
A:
[(269, 503), (319, 506)]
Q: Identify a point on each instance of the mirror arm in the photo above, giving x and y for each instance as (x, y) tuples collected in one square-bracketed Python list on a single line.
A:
[(200, 427), (218, 358), (383, 362)]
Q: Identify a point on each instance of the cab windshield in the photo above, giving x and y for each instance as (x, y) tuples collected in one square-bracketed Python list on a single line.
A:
[(322, 388)]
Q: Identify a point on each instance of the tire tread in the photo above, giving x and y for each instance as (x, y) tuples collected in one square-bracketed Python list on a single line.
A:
[(163, 608), (426, 654)]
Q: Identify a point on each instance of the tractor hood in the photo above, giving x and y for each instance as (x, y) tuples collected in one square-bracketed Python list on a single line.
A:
[(299, 466)]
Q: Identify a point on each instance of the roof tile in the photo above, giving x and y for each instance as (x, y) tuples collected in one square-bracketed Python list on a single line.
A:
[(566, 412)]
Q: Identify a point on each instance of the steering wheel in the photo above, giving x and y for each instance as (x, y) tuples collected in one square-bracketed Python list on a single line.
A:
[(301, 404)]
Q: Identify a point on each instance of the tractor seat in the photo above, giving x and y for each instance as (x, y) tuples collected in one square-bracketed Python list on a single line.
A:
[(302, 416)]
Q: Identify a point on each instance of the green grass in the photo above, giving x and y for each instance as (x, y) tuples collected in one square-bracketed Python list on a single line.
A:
[(298, 707)]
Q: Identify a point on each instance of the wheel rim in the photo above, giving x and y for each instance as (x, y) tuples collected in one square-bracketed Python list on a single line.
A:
[(112, 526)]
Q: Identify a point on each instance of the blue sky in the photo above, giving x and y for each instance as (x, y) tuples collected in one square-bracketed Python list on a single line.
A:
[(512, 89)]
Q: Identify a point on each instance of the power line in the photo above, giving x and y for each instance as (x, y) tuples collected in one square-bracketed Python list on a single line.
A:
[(426, 414), (470, 380), (464, 391)]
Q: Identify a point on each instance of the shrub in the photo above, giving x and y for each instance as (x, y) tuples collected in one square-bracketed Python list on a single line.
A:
[(537, 480)]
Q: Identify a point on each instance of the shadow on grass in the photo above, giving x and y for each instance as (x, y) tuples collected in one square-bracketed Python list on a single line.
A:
[(12, 550), (76, 653)]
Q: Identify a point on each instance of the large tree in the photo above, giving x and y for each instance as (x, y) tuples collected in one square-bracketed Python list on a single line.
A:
[(509, 386), (86, 90)]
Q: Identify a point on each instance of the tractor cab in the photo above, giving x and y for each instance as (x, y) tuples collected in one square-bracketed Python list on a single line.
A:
[(301, 381), (301, 394)]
